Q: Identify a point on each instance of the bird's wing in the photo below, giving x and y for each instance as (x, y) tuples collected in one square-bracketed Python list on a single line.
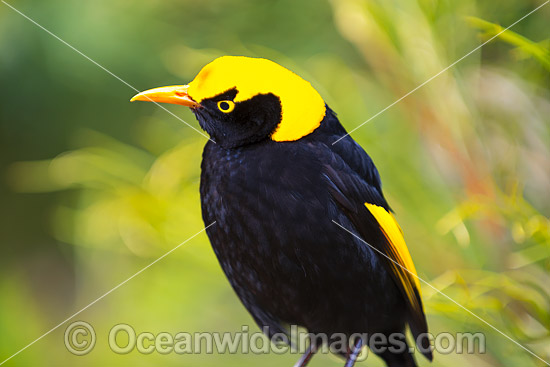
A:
[(368, 211), (395, 248)]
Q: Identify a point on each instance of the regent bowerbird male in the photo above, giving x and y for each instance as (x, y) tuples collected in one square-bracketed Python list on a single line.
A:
[(278, 190)]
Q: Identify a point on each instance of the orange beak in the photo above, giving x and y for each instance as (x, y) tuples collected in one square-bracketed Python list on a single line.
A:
[(175, 94)]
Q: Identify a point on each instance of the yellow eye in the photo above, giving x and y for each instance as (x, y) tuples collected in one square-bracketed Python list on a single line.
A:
[(226, 106)]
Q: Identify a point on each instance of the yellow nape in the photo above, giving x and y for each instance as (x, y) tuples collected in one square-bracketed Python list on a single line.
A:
[(302, 107), (398, 249)]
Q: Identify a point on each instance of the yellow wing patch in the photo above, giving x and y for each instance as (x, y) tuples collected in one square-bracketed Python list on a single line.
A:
[(398, 252), (302, 107)]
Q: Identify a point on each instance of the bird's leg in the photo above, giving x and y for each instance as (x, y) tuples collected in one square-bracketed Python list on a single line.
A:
[(306, 357), (355, 351)]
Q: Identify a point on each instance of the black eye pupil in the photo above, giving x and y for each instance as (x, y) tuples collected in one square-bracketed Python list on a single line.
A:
[(224, 106)]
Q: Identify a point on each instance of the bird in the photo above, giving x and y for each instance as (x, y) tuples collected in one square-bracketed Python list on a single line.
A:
[(302, 229)]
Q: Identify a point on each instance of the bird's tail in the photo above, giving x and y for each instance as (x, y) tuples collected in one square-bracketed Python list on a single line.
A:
[(419, 330), (402, 359)]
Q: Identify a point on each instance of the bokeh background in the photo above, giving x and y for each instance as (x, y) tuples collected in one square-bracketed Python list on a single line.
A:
[(93, 188)]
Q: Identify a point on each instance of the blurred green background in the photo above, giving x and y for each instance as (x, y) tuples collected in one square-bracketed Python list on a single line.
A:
[(93, 188)]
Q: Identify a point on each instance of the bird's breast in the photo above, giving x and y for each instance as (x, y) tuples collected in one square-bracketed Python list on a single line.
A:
[(274, 236)]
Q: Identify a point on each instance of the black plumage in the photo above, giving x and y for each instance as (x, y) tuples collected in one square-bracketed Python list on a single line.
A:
[(274, 204), (283, 196)]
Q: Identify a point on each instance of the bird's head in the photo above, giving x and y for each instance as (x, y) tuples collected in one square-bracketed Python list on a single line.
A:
[(241, 100)]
